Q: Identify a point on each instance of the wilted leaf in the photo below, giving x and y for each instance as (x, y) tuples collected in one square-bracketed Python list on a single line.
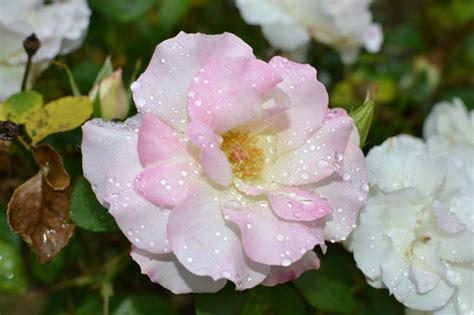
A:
[(87, 212), (8, 130), (39, 214), (19, 107), (364, 114), (12, 272), (60, 115), (51, 164)]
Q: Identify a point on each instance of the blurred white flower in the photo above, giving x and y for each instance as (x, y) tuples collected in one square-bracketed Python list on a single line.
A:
[(416, 234), (289, 24), (60, 26)]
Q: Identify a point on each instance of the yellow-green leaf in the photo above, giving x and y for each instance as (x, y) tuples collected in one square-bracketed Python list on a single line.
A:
[(60, 115), (20, 106), (364, 114), (2, 114)]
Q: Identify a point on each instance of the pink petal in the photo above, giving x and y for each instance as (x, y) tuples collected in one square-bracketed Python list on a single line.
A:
[(346, 195), (168, 272), (298, 205), (142, 222), (167, 184), (205, 245), (157, 141), (212, 159), (319, 157), (280, 274), (309, 102), (227, 92), (163, 88), (101, 142), (268, 239)]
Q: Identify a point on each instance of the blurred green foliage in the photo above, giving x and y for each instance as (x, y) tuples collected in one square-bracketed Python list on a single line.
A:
[(427, 56)]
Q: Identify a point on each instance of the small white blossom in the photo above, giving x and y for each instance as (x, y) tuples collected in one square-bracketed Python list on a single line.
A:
[(60, 26), (289, 24), (416, 234)]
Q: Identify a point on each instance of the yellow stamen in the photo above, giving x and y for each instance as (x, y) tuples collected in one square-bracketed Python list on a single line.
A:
[(242, 151)]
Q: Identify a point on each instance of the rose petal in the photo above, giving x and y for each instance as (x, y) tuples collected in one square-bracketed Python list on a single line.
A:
[(157, 141), (167, 184), (227, 92), (212, 159), (101, 142), (268, 239), (279, 274), (142, 222), (308, 103), (345, 195), (205, 245), (298, 205), (163, 88), (315, 160), (166, 270)]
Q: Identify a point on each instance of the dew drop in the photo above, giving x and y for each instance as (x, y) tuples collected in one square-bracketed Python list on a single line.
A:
[(280, 238), (304, 176), (135, 86), (364, 188), (249, 226), (346, 177), (323, 164), (140, 102), (286, 262)]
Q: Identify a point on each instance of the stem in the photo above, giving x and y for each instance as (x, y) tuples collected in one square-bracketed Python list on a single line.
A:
[(23, 142), (27, 72)]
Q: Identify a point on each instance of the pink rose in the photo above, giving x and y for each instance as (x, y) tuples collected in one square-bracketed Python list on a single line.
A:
[(234, 168)]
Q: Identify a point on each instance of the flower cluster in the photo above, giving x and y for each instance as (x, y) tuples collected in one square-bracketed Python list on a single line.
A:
[(415, 235), (234, 168), (60, 26), (287, 24)]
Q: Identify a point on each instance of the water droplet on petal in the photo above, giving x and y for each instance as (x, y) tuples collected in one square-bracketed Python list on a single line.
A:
[(323, 164), (280, 238), (286, 262), (364, 188)]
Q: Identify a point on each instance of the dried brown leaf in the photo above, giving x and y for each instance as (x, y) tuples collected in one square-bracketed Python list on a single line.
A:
[(51, 164), (40, 215)]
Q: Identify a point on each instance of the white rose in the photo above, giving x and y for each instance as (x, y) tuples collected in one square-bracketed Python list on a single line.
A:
[(290, 24), (60, 26), (452, 122), (416, 234)]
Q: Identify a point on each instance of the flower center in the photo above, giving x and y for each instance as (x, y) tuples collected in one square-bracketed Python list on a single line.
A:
[(242, 151)]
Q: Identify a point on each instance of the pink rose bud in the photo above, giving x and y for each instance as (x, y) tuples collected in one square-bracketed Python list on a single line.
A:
[(113, 100)]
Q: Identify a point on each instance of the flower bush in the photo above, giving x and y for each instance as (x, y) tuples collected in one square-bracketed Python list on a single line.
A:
[(234, 168), (415, 235)]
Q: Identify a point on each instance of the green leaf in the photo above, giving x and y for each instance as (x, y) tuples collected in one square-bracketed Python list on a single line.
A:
[(87, 212), (122, 11), (47, 273), (225, 302), (145, 305), (20, 106), (60, 115), (379, 301), (172, 12), (72, 82), (326, 293), (6, 234), (12, 272), (282, 299), (105, 71), (364, 114)]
